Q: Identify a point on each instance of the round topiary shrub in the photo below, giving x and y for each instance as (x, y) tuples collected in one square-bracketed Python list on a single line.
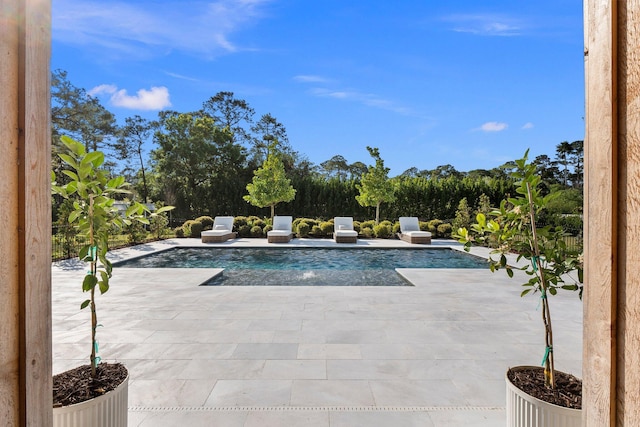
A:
[(444, 230), (206, 221), (382, 230), (396, 228), (196, 229), (326, 227), (256, 231), (179, 231), (368, 224), (244, 230), (433, 226), (356, 226), (317, 231), (267, 228), (239, 221), (258, 222), (303, 229), (366, 232)]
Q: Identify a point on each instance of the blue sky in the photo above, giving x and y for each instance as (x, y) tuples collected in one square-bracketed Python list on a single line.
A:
[(469, 83)]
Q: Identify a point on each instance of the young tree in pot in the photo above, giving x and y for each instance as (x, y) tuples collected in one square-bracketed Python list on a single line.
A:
[(551, 265), (93, 217)]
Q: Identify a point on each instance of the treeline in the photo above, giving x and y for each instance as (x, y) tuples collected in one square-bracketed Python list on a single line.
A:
[(202, 161)]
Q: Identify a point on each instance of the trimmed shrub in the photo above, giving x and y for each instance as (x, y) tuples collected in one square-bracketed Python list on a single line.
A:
[(252, 218), (239, 221), (206, 221), (244, 230), (382, 230), (267, 228), (424, 226), (303, 229), (179, 231), (366, 232), (258, 222), (433, 226), (326, 227), (367, 224), (444, 230), (256, 231), (396, 228), (317, 231), (196, 229), (356, 226)]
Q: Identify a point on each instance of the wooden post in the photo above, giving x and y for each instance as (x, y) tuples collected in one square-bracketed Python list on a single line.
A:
[(611, 362), (25, 213)]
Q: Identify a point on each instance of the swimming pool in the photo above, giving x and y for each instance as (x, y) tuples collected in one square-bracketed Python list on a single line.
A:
[(306, 266)]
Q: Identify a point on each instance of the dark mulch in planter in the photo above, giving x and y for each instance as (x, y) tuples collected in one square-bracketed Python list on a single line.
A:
[(76, 385), (568, 391)]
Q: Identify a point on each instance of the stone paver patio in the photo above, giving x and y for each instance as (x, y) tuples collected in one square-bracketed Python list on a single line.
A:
[(433, 354)]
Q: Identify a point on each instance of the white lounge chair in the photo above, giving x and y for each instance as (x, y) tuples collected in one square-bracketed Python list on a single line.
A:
[(222, 230), (281, 232), (410, 231), (343, 231)]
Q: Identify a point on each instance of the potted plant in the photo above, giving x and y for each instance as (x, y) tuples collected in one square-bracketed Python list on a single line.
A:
[(535, 395), (94, 394)]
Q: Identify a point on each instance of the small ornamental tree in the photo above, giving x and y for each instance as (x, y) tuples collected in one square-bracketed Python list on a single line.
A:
[(512, 228), (270, 185), (93, 217), (375, 187)]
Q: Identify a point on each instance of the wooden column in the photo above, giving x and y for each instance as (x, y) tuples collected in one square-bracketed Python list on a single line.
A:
[(25, 213), (611, 366)]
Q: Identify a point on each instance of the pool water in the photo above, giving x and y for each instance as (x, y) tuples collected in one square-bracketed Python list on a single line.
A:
[(306, 266)]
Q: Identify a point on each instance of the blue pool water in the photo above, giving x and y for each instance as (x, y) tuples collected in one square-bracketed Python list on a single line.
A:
[(306, 266)]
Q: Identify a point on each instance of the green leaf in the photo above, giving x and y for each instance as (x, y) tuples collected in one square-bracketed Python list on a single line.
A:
[(70, 174), (526, 291), (84, 304), (89, 282), (104, 286), (95, 158), (68, 160)]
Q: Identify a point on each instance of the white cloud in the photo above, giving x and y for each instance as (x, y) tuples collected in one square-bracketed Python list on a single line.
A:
[(493, 127), (99, 90), (156, 98), (486, 24), (527, 126), (143, 29)]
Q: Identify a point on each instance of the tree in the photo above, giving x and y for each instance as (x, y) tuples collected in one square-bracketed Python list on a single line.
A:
[(231, 113), (77, 114), (577, 161), (563, 151), (551, 265), (267, 131), (444, 172), (375, 187), (270, 185), (357, 169), (132, 137), (197, 162), (336, 166)]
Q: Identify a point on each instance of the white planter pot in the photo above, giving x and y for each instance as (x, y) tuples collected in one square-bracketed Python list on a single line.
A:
[(108, 410), (524, 410)]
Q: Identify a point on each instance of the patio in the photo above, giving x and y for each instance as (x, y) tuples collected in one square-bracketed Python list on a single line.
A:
[(430, 355)]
